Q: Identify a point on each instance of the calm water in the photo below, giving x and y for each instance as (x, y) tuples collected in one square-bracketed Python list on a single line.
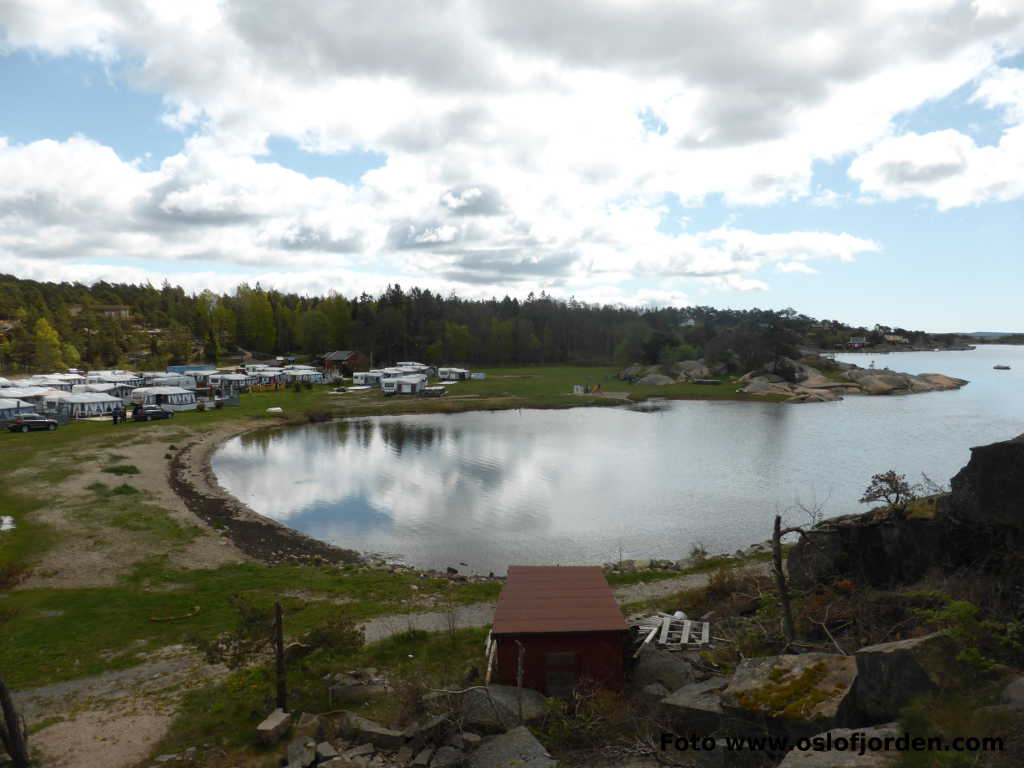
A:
[(574, 486)]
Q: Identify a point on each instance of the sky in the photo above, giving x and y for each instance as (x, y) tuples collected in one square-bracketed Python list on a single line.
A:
[(854, 161)]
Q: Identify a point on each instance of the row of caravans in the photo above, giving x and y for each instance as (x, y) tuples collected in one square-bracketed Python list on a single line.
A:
[(98, 393)]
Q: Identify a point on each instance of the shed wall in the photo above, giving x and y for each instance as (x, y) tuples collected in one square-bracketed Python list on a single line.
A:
[(598, 655)]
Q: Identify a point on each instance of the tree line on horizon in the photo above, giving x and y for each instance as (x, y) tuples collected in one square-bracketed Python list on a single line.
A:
[(48, 326)]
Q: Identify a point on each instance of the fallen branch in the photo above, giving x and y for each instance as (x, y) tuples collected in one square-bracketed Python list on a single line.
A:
[(188, 615)]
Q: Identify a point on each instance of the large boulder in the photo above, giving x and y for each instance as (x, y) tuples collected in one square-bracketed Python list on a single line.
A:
[(889, 675), (658, 666), (656, 379), (516, 749), (880, 382), (691, 370), (762, 385), (798, 695), (496, 708), (697, 707), (840, 748), (361, 730), (789, 370)]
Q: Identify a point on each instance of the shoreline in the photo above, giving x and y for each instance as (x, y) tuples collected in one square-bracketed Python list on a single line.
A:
[(191, 478)]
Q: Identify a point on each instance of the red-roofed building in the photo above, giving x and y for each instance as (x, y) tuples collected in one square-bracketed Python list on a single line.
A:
[(568, 624)]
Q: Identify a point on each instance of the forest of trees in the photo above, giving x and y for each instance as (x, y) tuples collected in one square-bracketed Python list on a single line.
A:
[(49, 326)]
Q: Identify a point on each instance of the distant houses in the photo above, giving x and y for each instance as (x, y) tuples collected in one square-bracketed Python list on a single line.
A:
[(115, 311), (345, 362)]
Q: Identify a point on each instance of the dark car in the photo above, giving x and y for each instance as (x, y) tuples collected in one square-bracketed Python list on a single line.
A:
[(23, 422), (150, 412)]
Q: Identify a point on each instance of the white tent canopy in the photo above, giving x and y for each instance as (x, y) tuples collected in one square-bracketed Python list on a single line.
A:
[(80, 405), (10, 407), (168, 398)]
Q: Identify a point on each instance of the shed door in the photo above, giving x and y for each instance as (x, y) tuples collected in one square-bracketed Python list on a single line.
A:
[(560, 671)]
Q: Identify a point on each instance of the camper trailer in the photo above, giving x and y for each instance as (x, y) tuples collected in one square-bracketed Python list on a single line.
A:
[(453, 374), (411, 385), (367, 378)]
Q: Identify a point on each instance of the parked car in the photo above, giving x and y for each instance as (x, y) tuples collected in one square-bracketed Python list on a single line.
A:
[(150, 412), (23, 422)]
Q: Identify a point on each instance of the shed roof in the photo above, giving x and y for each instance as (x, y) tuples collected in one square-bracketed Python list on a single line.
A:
[(549, 599), (341, 355)]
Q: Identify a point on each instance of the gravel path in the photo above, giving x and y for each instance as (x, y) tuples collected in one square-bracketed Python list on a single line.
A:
[(481, 614)]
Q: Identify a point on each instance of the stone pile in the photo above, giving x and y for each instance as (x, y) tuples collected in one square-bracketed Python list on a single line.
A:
[(484, 732)]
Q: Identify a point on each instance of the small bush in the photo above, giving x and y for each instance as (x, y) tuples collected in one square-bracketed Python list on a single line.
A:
[(123, 490), (308, 384), (122, 469), (317, 416), (201, 405)]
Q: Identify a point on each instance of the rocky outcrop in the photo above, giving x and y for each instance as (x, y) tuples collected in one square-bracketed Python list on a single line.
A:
[(876, 549), (691, 370), (889, 675), (990, 489), (656, 379), (980, 523), (803, 383), (799, 695), (886, 382)]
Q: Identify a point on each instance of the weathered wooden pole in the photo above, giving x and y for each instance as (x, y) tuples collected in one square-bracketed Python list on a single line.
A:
[(780, 581), (282, 674), (519, 678), (13, 732)]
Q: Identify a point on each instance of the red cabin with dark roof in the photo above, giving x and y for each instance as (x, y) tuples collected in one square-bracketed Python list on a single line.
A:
[(568, 625)]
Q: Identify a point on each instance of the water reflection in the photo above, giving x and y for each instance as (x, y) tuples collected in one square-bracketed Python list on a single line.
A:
[(574, 486)]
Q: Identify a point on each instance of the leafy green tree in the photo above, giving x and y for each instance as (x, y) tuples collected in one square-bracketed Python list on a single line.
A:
[(211, 348), (72, 358), (314, 331), (46, 355)]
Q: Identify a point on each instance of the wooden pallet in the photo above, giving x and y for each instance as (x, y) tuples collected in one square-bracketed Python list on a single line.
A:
[(673, 634)]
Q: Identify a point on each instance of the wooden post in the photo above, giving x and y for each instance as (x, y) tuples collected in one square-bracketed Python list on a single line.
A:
[(13, 732), (282, 679), (519, 678), (780, 581)]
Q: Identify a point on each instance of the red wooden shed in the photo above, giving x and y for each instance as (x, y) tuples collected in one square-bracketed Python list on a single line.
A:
[(569, 626)]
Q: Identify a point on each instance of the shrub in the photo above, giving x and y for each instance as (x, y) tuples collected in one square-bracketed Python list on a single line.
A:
[(122, 469)]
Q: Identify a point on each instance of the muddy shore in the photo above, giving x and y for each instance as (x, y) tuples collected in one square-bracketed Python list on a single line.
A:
[(191, 477)]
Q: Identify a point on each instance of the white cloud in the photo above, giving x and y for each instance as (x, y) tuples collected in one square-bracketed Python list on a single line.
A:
[(945, 166), (517, 154)]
